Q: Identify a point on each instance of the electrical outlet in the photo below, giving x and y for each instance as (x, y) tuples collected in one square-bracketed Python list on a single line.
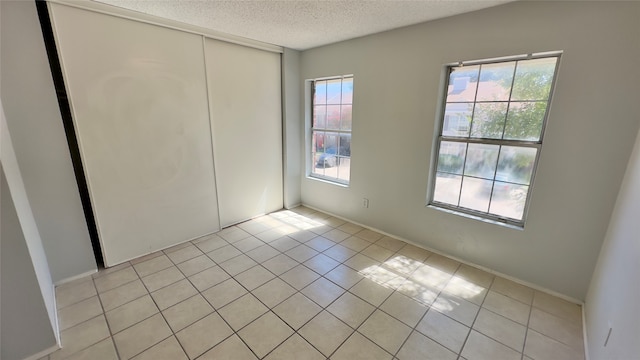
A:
[(365, 202)]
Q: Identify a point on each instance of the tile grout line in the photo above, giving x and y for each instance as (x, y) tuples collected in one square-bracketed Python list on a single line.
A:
[(327, 228), (493, 279), (159, 312)]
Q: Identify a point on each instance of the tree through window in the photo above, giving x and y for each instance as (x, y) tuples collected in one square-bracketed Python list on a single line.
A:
[(490, 136)]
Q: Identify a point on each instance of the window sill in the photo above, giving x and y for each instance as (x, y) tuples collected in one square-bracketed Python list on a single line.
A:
[(475, 217), (327, 181)]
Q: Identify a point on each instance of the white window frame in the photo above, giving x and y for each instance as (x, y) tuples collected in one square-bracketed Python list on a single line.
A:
[(309, 95), (438, 138)]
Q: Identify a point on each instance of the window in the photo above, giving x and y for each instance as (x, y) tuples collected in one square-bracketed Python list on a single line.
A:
[(492, 125), (331, 129)]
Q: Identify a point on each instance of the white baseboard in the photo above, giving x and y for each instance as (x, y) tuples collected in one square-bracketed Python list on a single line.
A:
[(43, 353), (289, 207), (494, 272), (75, 277)]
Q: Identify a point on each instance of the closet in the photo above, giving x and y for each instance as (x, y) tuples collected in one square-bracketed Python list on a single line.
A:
[(180, 134)]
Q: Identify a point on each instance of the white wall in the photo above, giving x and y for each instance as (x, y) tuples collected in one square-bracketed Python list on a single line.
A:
[(613, 299), (590, 133), (40, 144), (27, 307), (293, 127), (25, 328)]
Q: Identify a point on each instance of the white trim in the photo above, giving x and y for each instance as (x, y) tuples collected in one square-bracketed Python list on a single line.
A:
[(210, 121), (43, 353), (56, 318), (491, 271), (75, 277), (507, 58), (292, 206), (585, 339), (166, 23)]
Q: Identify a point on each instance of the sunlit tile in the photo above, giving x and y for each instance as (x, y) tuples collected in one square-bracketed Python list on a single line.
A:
[(456, 308), (474, 276), (344, 276), (466, 290), (421, 293), (370, 291), (404, 308), (401, 264)]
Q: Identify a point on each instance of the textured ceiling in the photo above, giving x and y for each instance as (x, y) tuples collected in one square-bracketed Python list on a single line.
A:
[(300, 24)]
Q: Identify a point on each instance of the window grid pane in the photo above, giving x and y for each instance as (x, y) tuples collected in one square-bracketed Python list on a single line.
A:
[(331, 129), (490, 136)]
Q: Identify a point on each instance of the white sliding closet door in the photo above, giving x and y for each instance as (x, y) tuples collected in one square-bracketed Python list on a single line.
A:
[(245, 102), (139, 101)]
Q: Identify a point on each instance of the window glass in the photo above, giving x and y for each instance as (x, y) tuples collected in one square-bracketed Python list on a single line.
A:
[(490, 137), (332, 108)]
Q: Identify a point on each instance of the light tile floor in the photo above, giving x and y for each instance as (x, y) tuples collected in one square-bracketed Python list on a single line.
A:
[(301, 284)]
